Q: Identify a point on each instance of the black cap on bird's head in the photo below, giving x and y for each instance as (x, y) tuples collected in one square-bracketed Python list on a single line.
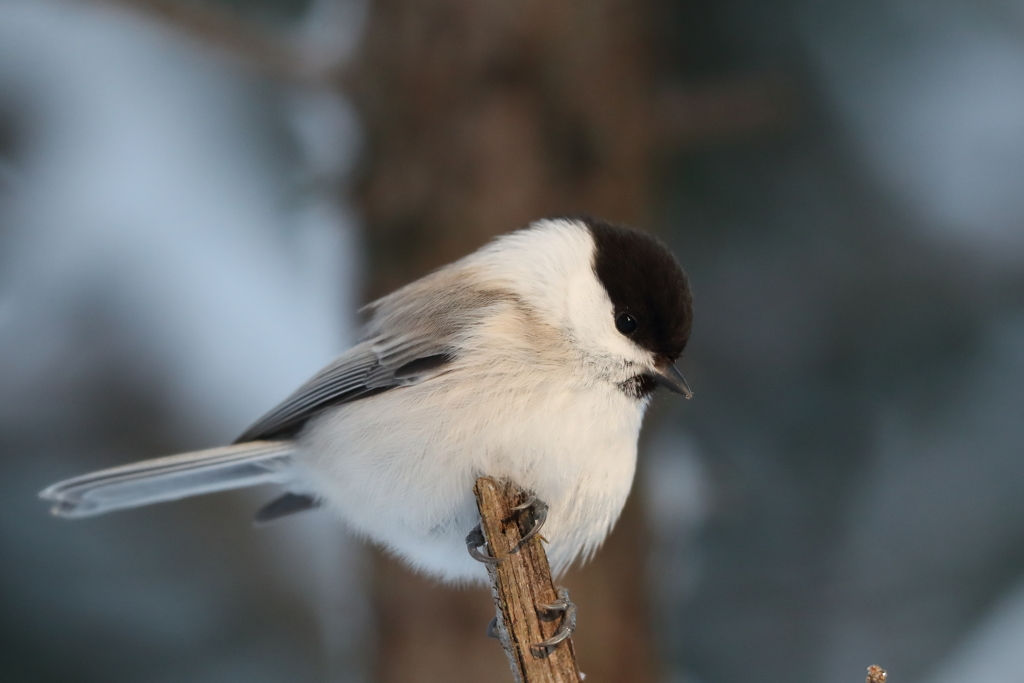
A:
[(649, 292)]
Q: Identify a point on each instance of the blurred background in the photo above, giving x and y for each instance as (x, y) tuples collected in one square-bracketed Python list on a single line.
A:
[(197, 195)]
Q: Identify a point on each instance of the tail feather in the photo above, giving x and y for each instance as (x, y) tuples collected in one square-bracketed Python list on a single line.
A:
[(172, 478)]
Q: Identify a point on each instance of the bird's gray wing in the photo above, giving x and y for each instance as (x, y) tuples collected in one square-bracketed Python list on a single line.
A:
[(367, 369), (413, 334)]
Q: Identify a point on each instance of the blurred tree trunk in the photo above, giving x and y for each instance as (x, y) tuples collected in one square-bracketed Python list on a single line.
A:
[(481, 116)]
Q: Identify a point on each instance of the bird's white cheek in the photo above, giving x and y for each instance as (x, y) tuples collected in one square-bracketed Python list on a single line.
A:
[(591, 323)]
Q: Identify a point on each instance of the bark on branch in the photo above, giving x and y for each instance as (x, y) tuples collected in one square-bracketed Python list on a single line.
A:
[(876, 674), (520, 582)]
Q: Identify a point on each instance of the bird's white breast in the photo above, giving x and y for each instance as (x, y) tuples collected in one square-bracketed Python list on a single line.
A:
[(532, 396), (400, 467)]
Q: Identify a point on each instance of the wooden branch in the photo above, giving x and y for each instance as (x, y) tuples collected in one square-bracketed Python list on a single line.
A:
[(520, 582), (876, 674)]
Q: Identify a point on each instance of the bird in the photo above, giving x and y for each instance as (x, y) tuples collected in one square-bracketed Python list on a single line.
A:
[(532, 359)]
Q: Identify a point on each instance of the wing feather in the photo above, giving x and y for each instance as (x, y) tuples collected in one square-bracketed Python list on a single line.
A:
[(353, 376), (367, 369), (414, 334)]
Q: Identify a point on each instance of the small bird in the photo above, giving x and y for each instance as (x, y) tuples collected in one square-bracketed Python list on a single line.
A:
[(532, 359)]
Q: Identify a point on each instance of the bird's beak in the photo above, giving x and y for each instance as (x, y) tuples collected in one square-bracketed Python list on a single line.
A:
[(669, 377)]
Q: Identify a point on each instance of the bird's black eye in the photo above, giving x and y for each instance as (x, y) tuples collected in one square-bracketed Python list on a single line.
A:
[(625, 323)]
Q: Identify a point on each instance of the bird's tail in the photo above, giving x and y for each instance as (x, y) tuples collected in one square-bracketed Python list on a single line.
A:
[(171, 478)]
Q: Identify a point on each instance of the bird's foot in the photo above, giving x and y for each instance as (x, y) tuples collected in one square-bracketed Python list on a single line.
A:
[(568, 609), (474, 541), (540, 515)]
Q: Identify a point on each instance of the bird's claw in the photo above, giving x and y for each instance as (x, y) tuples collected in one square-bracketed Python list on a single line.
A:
[(540, 513), (474, 541), (568, 609), (525, 504)]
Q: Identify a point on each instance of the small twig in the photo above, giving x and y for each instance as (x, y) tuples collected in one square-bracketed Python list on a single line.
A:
[(520, 581), (876, 674)]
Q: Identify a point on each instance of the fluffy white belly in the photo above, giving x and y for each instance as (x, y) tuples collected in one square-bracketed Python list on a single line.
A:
[(399, 467)]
